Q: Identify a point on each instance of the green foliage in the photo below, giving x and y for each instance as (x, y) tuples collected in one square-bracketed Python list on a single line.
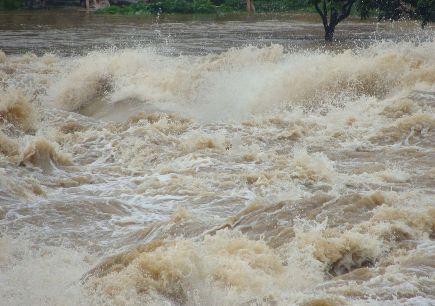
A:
[(11, 4), (280, 6), (332, 12), (206, 6), (134, 9), (235, 4), (365, 8), (157, 7), (423, 10), (203, 6), (426, 10)]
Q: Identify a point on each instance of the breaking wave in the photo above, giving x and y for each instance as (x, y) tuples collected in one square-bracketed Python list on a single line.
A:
[(240, 81), (254, 176)]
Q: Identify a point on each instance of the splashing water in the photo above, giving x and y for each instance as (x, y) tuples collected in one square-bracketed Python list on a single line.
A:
[(253, 176)]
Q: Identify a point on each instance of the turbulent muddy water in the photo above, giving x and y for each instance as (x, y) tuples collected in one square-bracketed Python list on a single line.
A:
[(258, 168)]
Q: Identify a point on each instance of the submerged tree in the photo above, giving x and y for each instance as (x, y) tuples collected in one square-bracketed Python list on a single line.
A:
[(333, 12)]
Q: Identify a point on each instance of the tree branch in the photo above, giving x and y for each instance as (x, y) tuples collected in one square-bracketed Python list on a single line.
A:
[(333, 19), (322, 14), (347, 8)]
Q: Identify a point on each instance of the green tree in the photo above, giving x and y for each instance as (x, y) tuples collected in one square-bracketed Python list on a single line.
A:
[(423, 10), (11, 4), (332, 12)]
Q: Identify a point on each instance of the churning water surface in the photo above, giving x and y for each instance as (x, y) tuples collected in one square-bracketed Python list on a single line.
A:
[(215, 161)]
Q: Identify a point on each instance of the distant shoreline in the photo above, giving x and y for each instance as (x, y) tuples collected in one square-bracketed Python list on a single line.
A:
[(207, 7), (169, 6)]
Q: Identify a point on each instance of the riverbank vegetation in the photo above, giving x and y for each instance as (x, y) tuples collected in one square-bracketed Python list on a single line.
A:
[(11, 4), (207, 6), (332, 12)]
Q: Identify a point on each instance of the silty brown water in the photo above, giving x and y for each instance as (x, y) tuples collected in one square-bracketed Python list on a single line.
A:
[(147, 161)]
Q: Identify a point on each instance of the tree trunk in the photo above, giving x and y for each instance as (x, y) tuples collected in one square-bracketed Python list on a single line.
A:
[(250, 6), (329, 33)]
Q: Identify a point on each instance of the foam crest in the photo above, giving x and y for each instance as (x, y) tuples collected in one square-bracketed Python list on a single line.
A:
[(229, 263), (2, 57), (8, 147), (44, 154), (242, 81), (254, 176), (312, 167), (16, 109), (47, 270)]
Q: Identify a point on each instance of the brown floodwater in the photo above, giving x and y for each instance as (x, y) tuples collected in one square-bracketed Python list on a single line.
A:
[(215, 160), (69, 31)]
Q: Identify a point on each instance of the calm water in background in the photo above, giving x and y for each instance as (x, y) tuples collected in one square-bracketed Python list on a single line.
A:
[(74, 31)]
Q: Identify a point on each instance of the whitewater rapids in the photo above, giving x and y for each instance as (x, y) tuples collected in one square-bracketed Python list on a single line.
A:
[(256, 176)]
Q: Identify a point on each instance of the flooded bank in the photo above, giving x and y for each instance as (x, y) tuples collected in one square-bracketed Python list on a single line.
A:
[(76, 32)]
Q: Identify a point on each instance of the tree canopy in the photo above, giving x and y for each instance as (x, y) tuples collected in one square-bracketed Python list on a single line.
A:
[(423, 10), (332, 12)]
